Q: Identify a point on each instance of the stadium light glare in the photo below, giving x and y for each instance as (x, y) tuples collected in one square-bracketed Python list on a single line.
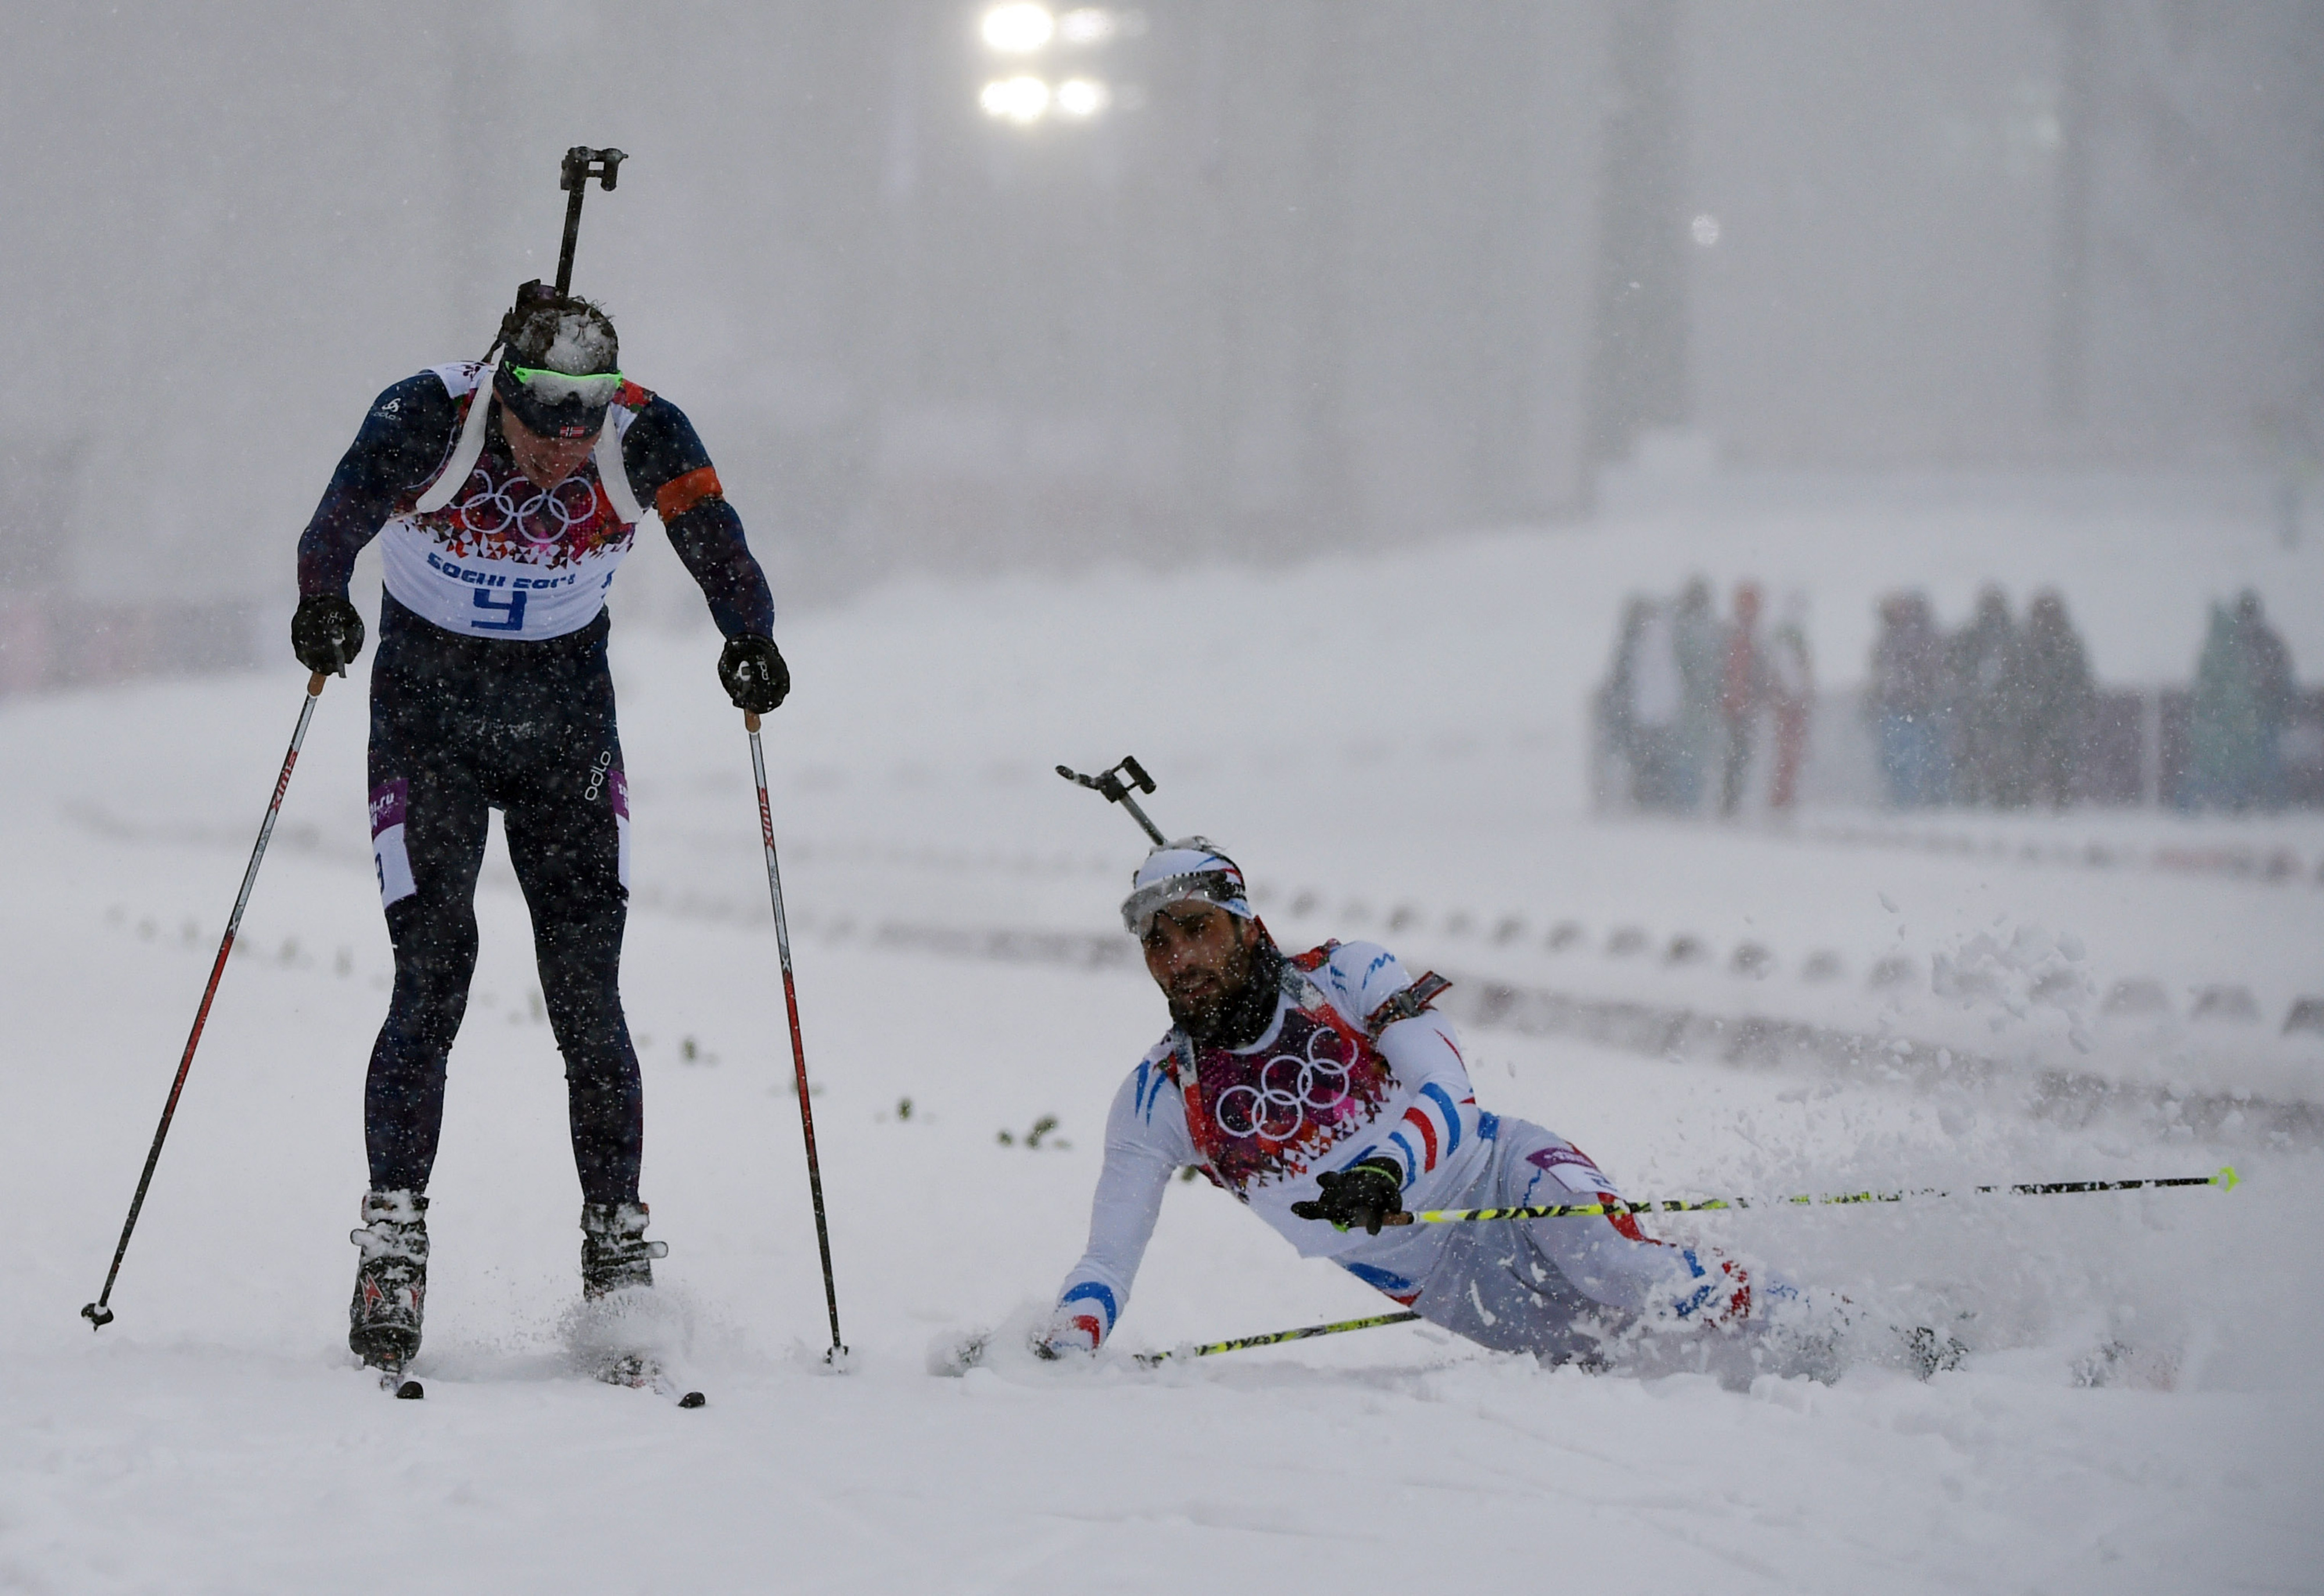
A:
[(1082, 96), (1021, 100), (1087, 24), (1019, 29)]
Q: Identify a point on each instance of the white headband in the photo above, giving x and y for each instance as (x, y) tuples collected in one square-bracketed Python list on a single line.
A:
[(1189, 868)]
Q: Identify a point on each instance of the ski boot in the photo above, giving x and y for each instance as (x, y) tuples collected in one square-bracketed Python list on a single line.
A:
[(616, 1255), (616, 1258), (1929, 1353), (391, 1280)]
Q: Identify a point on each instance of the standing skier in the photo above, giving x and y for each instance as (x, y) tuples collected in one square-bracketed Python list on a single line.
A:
[(508, 493), (1324, 1093)]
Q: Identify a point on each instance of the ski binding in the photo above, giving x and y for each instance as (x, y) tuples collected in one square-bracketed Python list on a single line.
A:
[(393, 1381), (642, 1373)]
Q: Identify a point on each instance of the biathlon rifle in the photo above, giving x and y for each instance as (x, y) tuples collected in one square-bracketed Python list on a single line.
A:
[(1115, 790), (581, 164)]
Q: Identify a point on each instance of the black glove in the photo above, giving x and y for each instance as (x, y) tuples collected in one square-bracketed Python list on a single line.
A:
[(326, 632), (753, 674), (1361, 1195)]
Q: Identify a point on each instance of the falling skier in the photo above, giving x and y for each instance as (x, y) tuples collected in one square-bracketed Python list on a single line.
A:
[(508, 493), (1323, 1092)]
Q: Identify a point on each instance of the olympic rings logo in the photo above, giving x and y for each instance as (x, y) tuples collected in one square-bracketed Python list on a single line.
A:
[(1290, 1089), (492, 509)]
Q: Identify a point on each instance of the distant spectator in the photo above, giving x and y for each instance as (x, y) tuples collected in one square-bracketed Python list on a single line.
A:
[(1908, 703), (2057, 699), (1987, 667), (1646, 699), (1742, 694), (1791, 689), (1616, 698), (2243, 699), (1613, 701), (1700, 644), (2269, 663), (2223, 724)]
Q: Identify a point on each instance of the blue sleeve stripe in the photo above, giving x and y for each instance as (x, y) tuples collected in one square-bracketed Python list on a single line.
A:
[(1378, 1279), (1443, 1100), (1092, 1291), (1410, 1162)]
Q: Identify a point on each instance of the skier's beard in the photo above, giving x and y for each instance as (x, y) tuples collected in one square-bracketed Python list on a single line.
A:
[(1234, 1012)]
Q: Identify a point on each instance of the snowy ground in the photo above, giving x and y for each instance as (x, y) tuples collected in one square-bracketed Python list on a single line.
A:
[(1397, 733)]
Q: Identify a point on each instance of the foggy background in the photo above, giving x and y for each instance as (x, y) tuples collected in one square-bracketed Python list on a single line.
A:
[(1321, 275)]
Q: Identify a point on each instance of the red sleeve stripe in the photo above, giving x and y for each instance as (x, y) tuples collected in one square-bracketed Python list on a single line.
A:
[(1627, 1223)]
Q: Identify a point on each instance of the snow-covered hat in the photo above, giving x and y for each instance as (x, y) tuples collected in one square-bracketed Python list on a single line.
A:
[(570, 358), (1187, 868)]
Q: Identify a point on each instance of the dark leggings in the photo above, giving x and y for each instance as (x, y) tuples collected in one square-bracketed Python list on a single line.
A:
[(460, 727)]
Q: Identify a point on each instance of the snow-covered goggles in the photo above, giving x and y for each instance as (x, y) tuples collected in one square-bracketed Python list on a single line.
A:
[(556, 404), (1218, 887)]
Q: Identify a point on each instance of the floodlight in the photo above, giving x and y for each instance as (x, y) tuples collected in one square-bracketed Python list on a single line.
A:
[(1082, 96), (1087, 24), (1015, 99), (1020, 29)]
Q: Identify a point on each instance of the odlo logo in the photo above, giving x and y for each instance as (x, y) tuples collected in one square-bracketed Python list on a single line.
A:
[(597, 774)]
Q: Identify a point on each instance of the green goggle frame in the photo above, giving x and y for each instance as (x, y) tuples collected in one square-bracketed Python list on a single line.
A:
[(553, 387)]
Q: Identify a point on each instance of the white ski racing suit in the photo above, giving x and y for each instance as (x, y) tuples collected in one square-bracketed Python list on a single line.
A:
[(1337, 1078)]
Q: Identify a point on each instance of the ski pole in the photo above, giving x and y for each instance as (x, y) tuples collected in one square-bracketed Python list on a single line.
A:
[(2226, 1179), (838, 1352), (97, 1312), (1150, 1359)]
